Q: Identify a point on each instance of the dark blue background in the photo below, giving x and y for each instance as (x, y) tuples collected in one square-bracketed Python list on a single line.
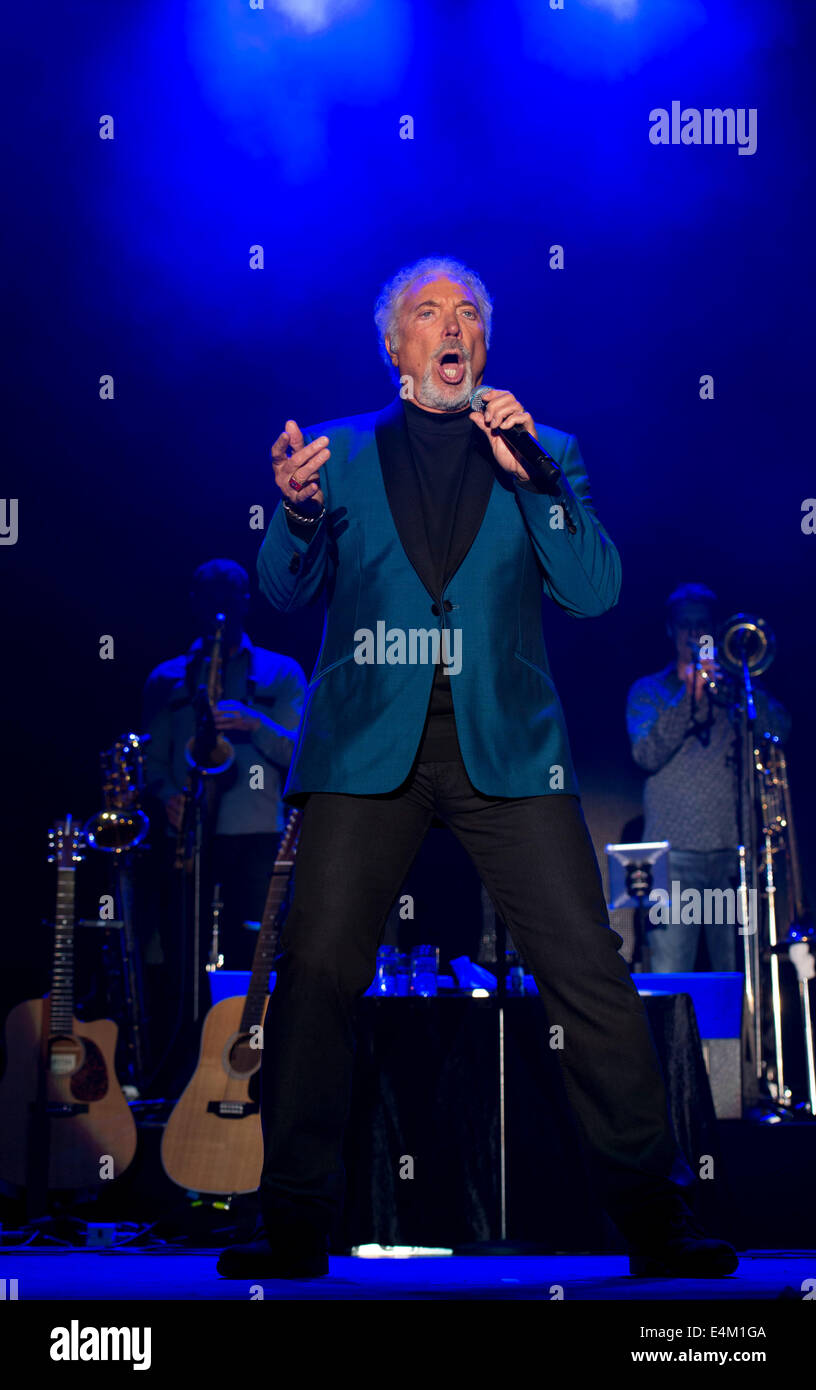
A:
[(235, 127)]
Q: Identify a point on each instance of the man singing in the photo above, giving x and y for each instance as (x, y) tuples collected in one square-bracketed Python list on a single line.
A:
[(419, 517)]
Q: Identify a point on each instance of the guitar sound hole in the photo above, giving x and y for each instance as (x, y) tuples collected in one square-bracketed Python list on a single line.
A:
[(65, 1056), (243, 1059)]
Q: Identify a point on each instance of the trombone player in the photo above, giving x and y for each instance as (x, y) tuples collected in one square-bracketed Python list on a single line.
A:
[(683, 737)]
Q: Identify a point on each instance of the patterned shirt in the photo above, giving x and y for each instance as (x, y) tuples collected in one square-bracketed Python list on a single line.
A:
[(690, 793)]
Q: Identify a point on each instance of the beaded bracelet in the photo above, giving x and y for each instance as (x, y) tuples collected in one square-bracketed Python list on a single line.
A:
[(299, 516)]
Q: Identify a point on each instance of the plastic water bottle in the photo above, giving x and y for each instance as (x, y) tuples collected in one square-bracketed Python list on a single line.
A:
[(515, 973), (424, 970)]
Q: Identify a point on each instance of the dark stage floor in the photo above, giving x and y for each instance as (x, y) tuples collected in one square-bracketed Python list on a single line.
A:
[(94, 1276)]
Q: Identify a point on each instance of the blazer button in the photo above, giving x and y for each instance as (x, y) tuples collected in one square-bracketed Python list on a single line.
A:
[(448, 605), (294, 564), (435, 609)]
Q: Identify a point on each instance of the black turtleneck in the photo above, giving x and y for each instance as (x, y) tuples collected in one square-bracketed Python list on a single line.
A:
[(440, 445), (440, 448)]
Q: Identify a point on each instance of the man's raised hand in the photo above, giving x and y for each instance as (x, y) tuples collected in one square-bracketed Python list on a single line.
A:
[(296, 462)]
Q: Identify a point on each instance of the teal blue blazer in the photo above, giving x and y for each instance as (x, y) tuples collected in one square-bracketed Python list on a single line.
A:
[(362, 723)]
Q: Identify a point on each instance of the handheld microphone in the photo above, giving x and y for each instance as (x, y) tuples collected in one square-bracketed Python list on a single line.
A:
[(539, 464)]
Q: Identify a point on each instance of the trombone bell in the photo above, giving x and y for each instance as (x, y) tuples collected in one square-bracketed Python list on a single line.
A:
[(746, 638)]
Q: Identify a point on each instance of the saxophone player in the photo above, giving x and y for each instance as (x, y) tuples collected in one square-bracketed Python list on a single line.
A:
[(258, 715)]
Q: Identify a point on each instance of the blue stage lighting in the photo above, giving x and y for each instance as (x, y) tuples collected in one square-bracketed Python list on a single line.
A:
[(619, 9), (313, 15)]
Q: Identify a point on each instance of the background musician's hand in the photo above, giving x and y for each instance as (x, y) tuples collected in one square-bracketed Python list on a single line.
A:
[(295, 461), (175, 810), (709, 670), (231, 714)]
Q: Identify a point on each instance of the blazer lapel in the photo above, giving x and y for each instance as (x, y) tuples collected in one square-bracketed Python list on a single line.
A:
[(403, 499), (473, 499)]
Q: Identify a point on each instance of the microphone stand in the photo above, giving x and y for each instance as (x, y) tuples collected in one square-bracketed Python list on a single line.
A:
[(746, 817), (180, 1050), (198, 842), (697, 667), (501, 1246), (131, 968)]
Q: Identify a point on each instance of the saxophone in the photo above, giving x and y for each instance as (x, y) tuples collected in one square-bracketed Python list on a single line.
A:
[(208, 752)]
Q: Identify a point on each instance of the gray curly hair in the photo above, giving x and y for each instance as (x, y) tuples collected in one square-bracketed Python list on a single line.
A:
[(389, 302)]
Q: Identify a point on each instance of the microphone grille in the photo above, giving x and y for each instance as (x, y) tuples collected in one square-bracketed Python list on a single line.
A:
[(477, 401)]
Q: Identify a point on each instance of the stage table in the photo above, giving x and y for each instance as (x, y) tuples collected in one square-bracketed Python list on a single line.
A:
[(423, 1145)]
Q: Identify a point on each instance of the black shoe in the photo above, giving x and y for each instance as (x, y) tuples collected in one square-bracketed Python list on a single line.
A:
[(287, 1243), (675, 1246)]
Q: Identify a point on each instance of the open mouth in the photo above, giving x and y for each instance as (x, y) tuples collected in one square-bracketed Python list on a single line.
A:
[(451, 368)]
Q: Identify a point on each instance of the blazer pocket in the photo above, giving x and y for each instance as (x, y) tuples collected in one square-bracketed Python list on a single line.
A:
[(539, 670), (351, 602), (332, 666)]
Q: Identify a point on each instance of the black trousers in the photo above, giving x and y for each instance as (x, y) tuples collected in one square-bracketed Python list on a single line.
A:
[(536, 859)]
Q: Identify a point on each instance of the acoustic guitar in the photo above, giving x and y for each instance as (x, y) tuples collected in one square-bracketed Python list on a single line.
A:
[(212, 1142), (64, 1119)]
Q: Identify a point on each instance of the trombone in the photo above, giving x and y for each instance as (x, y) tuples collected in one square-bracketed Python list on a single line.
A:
[(769, 859)]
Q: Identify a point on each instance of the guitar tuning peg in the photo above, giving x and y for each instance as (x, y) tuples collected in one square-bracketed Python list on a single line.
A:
[(52, 859)]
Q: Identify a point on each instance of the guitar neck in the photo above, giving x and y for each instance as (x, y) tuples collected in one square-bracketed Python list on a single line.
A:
[(62, 970), (264, 956)]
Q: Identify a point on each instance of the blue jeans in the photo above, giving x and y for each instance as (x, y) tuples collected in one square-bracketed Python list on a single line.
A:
[(674, 947)]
